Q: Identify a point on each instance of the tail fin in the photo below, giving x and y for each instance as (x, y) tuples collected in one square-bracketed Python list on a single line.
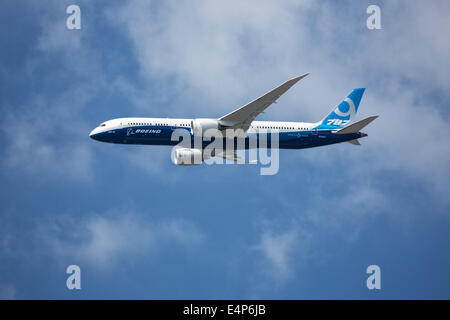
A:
[(344, 112)]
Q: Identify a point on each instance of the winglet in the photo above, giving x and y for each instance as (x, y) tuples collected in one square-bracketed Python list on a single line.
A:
[(296, 79)]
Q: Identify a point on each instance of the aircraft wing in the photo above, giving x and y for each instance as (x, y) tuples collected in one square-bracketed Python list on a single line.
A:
[(243, 117)]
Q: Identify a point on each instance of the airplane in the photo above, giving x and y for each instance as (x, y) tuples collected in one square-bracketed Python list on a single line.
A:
[(336, 127)]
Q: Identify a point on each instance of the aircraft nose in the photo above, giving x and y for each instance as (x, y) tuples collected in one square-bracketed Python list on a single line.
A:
[(93, 134)]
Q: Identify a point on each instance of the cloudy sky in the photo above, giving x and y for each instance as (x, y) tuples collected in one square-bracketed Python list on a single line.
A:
[(140, 227)]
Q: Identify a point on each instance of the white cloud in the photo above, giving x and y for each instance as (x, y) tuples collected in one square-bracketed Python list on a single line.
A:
[(295, 237), (277, 249), (106, 240), (110, 239), (207, 50)]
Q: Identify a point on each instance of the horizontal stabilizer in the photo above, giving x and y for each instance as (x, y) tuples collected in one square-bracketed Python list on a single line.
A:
[(357, 126), (354, 142)]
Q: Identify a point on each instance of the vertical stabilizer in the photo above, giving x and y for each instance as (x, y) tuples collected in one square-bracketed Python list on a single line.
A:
[(344, 112)]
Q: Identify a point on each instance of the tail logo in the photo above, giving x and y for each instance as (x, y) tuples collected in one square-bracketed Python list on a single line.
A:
[(351, 110)]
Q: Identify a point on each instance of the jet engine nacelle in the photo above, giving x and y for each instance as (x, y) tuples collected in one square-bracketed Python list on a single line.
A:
[(199, 127), (187, 157)]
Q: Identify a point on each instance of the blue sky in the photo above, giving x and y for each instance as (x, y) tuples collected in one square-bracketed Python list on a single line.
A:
[(140, 227)]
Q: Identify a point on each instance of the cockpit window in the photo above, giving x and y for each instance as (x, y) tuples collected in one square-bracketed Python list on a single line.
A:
[(102, 125)]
